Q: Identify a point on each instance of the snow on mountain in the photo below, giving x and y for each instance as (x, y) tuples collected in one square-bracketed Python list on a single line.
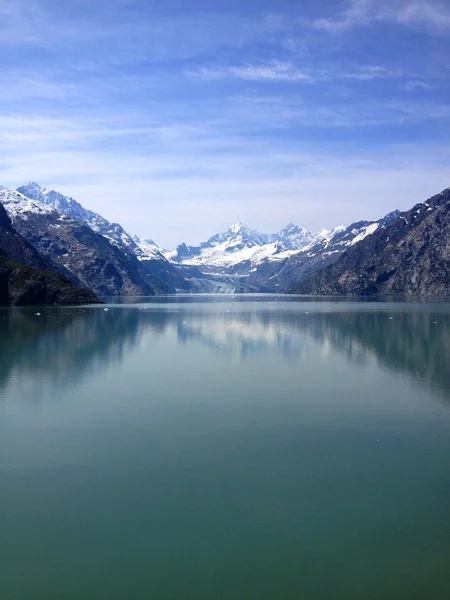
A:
[(240, 244), (360, 235), (147, 249), (295, 237), (140, 240), (65, 205), (143, 249), (17, 204), (71, 208), (249, 259)]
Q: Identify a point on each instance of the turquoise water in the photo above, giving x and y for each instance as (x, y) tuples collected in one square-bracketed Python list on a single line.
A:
[(211, 448)]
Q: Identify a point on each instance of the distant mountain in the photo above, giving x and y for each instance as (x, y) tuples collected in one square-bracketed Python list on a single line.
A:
[(89, 257), (240, 243), (241, 259), (26, 277), (154, 267), (295, 238), (409, 255)]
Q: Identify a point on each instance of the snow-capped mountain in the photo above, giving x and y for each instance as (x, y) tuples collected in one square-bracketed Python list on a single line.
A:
[(89, 258), (280, 275), (240, 244), (244, 259), (408, 253), (71, 208), (155, 268), (295, 237)]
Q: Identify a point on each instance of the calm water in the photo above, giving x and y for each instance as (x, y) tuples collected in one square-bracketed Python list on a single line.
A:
[(235, 449)]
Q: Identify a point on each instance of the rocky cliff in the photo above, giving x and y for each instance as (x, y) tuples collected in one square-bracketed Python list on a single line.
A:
[(410, 256)]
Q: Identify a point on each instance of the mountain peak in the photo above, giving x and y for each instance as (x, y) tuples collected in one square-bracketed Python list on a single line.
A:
[(238, 227), (34, 185), (34, 191)]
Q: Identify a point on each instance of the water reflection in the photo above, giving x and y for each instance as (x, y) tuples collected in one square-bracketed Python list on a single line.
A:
[(64, 344)]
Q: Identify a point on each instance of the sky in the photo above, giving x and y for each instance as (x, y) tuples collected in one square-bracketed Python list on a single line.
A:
[(179, 118)]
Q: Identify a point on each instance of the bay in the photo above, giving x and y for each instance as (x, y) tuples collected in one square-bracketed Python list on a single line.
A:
[(217, 447)]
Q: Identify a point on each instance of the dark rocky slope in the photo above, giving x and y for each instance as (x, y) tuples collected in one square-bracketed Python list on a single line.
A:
[(88, 256), (410, 256), (19, 250), (154, 268), (28, 278), (21, 286)]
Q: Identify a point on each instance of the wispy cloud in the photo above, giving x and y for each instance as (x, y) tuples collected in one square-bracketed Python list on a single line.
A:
[(415, 85), (279, 71), (359, 12), (432, 14), (274, 71), (368, 73)]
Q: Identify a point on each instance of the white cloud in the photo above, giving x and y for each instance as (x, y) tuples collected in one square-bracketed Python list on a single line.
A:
[(274, 71), (368, 73), (414, 85), (434, 15), (279, 71)]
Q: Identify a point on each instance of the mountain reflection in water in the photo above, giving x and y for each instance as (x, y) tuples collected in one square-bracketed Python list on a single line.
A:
[(65, 343)]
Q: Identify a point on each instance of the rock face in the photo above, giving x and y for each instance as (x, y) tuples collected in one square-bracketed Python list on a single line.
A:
[(410, 256), (26, 277), (153, 267), (318, 255), (90, 258), (21, 286), (16, 248)]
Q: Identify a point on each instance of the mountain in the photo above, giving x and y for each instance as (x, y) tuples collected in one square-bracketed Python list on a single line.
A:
[(222, 249), (240, 243), (410, 255), (324, 251), (26, 278), (294, 237), (90, 258), (71, 208), (241, 259), (154, 268), (223, 262)]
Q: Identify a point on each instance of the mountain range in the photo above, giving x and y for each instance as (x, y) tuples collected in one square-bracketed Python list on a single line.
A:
[(402, 253)]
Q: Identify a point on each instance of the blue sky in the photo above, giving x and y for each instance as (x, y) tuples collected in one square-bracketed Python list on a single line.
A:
[(178, 118)]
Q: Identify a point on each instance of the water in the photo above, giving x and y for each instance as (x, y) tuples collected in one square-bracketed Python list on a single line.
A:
[(217, 448)]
